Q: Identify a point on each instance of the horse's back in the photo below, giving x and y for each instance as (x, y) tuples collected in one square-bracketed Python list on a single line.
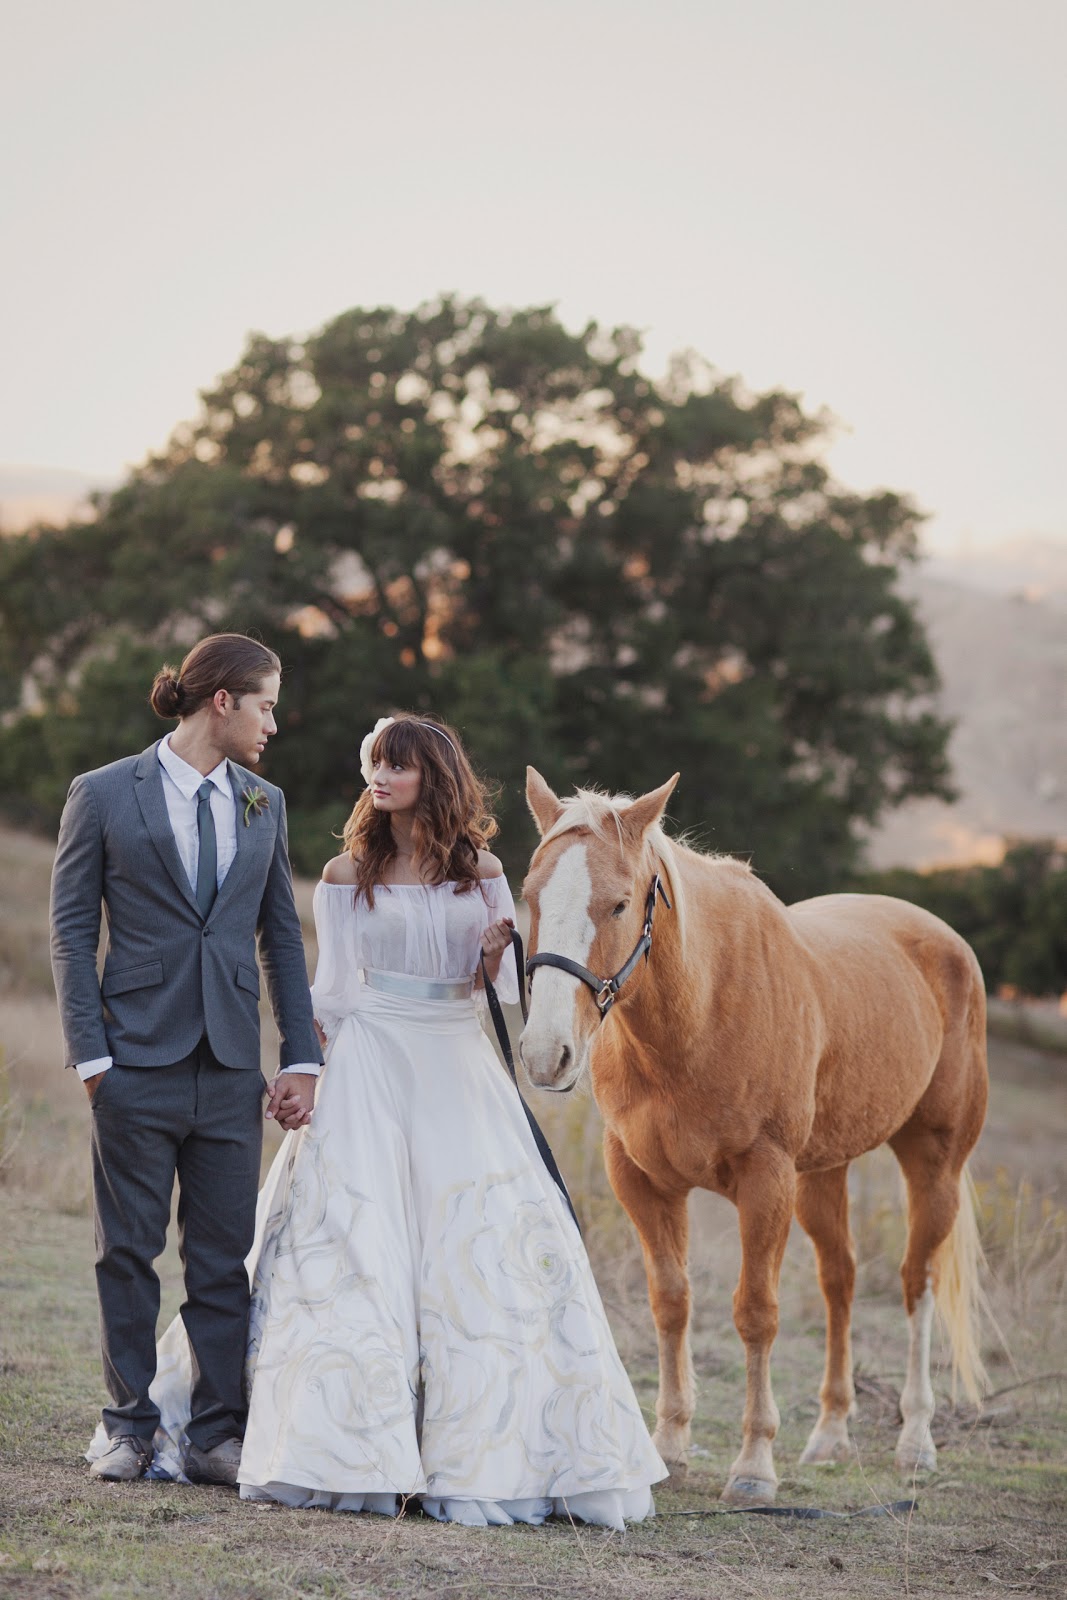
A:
[(904, 1005), (876, 927)]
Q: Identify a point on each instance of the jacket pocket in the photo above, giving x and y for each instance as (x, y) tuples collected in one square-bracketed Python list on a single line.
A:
[(248, 978), (146, 976)]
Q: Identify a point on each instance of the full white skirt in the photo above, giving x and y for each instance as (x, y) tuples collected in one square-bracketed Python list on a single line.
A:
[(424, 1318)]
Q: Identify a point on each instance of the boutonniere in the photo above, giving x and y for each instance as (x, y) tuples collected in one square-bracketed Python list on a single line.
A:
[(256, 802)]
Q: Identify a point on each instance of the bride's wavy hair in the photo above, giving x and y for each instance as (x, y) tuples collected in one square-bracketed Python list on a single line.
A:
[(452, 821)]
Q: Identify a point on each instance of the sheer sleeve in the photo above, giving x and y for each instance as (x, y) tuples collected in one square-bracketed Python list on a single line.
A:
[(499, 903), (334, 991)]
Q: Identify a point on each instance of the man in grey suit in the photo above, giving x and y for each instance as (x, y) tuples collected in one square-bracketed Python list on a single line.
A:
[(186, 850)]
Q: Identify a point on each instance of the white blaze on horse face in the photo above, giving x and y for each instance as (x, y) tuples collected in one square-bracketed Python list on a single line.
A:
[(551, 1051)]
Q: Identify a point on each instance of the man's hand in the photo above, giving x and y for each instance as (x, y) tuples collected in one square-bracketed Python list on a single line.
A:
[(292, 1099), (93, 1083)]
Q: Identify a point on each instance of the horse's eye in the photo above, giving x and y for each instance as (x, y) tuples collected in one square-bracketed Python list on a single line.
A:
[(620, 908)]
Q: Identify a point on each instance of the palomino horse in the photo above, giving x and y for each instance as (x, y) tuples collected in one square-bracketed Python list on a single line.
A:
[(756, 1052)]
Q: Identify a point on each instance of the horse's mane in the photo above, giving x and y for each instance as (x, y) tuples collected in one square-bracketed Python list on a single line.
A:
[(602, 813)]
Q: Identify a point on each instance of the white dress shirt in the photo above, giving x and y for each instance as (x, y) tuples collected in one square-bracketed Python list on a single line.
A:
[(180, 785)]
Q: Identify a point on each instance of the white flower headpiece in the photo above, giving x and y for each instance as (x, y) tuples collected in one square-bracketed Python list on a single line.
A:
[(368, 745), (365, 749)]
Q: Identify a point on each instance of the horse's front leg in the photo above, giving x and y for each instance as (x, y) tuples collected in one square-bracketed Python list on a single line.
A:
[(822, 1211), (765, 1192), (662, 1223)]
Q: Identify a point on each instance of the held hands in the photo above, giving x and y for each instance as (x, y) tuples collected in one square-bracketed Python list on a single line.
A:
[(292, 1100), (292, 1094), (495, 940)]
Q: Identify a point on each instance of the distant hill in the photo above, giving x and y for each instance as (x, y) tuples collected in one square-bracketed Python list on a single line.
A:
[(1031, 567), (42, 494), (997, 625)]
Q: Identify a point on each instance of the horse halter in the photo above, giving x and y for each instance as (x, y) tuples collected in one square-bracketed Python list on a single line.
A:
[(606, 990)]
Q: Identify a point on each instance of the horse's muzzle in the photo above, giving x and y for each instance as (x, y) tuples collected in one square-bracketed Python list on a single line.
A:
[(560, 1078)]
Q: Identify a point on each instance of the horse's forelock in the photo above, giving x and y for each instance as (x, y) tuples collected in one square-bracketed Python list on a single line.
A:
[(601, 815), (588, 808)]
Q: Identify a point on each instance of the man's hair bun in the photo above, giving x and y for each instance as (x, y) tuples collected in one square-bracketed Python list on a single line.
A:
[(167, 695)]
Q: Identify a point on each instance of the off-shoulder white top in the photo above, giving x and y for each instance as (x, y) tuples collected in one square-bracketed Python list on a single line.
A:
[(421, 930)]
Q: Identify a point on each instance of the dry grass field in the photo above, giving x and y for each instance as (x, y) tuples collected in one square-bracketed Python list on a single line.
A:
[(992, 1520)]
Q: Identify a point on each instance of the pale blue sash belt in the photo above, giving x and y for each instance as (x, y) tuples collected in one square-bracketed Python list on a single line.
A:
[(419, 988)]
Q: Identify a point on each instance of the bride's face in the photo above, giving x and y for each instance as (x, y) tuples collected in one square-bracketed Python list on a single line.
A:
[(395, 788)]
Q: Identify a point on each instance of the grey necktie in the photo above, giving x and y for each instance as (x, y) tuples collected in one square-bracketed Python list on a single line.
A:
[(208, 863)]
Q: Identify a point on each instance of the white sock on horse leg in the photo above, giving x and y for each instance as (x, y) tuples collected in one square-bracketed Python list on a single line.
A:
[(915, 1449)]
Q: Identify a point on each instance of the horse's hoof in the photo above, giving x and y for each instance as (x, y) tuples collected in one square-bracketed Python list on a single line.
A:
[(914, 1460), (823, 1451), (673, 1446), (749, 1492), (677, 1473)]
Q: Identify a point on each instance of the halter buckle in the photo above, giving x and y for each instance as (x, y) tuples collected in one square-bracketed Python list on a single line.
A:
[(605, 996), (606, 990)]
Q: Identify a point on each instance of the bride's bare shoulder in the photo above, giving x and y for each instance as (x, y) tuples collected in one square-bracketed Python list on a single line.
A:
[(489, 866), (342, 869)]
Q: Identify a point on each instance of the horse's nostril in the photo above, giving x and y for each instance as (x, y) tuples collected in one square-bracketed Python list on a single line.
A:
[(565, 1058)]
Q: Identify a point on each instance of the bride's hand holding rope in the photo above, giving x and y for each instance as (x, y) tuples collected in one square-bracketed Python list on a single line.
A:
[(495, 940)]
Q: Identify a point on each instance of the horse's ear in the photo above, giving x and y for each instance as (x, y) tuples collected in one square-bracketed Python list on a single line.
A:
[(646, 811), (545, 805)]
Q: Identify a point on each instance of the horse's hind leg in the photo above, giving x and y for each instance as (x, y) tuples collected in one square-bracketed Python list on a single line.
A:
[(662, 1223), (822, 1211), (932, 1148), (933, 1200)]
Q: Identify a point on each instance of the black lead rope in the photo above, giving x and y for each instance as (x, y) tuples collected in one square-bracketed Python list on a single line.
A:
[(497, 1014), (801, 1513)]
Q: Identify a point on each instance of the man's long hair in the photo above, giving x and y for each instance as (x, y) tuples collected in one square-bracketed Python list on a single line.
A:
[(230, 661), (452, 819)]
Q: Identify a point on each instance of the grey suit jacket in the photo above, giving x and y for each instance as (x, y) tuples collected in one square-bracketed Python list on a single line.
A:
[(170, 976)]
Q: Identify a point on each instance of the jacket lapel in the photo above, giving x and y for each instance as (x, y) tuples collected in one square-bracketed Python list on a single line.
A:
[(251, 841), (148, 787)]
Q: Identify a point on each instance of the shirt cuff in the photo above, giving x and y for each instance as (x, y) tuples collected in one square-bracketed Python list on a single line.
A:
[(89, 1069), (312, 1068)]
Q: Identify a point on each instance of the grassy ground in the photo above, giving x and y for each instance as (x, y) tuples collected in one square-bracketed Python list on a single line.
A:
[(991, 1520)]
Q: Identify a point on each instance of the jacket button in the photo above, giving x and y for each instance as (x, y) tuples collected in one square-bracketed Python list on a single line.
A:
[(207, 933)]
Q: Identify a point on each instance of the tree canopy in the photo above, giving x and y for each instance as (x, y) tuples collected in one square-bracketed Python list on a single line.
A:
[(478, 513)]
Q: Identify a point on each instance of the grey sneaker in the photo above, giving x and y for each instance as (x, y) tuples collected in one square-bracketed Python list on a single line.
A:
[(124, 1461), (217, 1465)]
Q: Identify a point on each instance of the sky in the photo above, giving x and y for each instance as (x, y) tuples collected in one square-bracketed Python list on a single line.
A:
[(860, 202)]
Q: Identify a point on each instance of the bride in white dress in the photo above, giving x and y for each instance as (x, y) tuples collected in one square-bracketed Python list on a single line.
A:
[(424, 1319)]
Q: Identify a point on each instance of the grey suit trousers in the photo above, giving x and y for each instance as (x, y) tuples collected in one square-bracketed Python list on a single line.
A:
[(203, 1121)]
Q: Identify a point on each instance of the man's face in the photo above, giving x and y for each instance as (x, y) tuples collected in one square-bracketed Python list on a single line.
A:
[(247, 726)]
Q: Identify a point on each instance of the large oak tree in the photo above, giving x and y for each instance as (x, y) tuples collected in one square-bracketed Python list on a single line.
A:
[(478, 513)]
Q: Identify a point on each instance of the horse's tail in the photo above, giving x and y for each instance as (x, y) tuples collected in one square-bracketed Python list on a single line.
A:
[(961, 1299)]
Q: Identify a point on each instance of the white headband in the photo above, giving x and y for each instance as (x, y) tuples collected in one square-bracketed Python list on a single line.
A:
[(367, 746)]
